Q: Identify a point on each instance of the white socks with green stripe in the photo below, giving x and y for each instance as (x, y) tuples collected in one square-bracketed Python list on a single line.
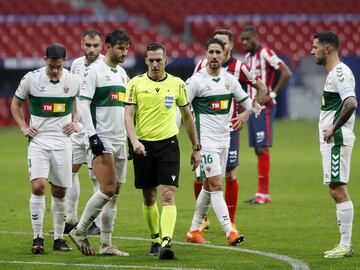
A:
[(37, 210), (202, 206), (345, 216)]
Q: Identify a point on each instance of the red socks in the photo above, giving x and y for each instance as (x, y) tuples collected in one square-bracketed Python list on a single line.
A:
[(231, 197), (197, 188), (263, 173)]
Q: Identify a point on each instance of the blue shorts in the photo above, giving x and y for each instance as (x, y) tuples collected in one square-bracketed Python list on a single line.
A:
[(260, 128), (233, 155)]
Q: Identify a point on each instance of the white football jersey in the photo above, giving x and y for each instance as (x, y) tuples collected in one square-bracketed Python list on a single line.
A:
[(211, 99), (51, 104), (106, 87), (339, 85), (80, 67)]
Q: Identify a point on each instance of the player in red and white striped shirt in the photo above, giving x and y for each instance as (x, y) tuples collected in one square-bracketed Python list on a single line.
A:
[(244, 76), (264, 63)]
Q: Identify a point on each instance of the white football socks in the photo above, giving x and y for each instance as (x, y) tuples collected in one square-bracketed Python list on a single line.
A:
[(72, 200), (58, 210), (37, 210), (219, 205), (345, 216), (107, 217), (92, 210), (201, 209)]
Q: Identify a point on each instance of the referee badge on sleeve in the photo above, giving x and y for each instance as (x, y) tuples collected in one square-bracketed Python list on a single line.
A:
[(169, 101)]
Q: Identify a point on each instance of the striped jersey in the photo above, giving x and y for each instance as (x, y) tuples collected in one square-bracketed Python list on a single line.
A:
[(339, 85), (105, 87), (51, 105), (80, 67), (240, 71), (211, 99), (263, 62)]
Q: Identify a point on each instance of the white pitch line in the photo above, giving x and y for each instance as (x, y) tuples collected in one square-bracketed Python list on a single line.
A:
[(295, 264), (99, 265)]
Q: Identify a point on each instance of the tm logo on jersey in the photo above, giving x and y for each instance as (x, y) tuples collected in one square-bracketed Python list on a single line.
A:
[(53, 107), (117, 96), (219, 105)]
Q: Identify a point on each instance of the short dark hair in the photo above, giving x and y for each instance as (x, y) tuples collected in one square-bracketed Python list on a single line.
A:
[(226, 32), (215, 41), (91, 32), (251, 29), (55, 51), (117, 36), (154, 46), (329, 38)]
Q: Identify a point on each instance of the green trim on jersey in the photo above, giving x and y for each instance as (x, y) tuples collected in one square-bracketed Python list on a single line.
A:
[(335, 164), (219, 104), (51, 106), (19, 98), (83, 97), (197, 126), (331, 101), (109, 96)]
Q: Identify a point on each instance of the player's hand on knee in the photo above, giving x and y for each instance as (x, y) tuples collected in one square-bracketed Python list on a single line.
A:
[(96, 145)]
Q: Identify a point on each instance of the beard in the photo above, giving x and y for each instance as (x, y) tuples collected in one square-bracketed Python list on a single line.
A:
[(321, 60)]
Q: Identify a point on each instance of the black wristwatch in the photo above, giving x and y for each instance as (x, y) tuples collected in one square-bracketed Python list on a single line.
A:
[(196, 147)]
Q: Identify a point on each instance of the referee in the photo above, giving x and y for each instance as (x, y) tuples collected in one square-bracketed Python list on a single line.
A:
[(151, 100)]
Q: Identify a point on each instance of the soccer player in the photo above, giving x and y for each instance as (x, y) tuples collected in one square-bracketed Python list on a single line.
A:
[(244, 76), (103, 94), (264, 63), (51, 91), (210, 92), (151, 100), (336, 126), (91, 45)]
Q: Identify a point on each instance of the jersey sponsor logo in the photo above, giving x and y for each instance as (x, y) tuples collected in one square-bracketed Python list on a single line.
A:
[(169, 101), (219, 105), (117, 96), (53, 107)]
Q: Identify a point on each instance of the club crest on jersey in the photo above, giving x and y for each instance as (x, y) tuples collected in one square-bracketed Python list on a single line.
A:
[(208, 168), (227, 86), (66, 89), (169, 101)]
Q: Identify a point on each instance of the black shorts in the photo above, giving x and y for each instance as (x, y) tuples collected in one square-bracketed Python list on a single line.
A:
[(161, 165)]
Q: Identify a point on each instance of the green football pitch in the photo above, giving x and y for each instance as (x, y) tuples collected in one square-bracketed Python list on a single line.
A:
[(292, 232)]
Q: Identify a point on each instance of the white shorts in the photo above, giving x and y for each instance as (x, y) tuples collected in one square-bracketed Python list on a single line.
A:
[(336, 162), (213, 162), (80, 145), (120, 158), (53, 164)]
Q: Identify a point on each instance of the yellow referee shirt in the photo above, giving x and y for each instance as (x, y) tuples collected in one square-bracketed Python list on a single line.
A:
[(156, 103)]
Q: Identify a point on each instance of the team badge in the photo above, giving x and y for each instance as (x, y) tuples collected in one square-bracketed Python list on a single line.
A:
[(208, 168), (169, 101), (227, 86), (66, 89)]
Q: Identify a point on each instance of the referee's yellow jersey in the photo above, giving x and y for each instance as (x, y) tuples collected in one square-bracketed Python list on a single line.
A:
[(156, 103)]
